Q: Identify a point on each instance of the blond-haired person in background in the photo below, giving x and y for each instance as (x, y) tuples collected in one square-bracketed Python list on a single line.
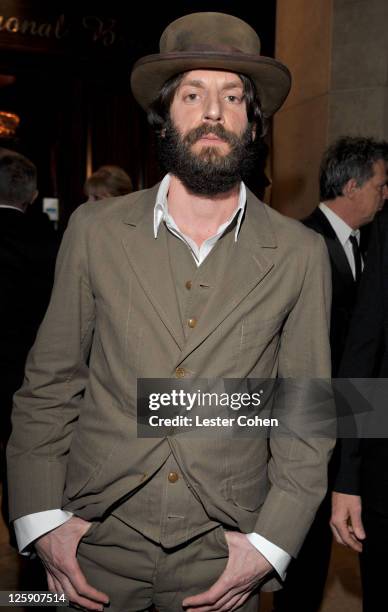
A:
[(107, 182)]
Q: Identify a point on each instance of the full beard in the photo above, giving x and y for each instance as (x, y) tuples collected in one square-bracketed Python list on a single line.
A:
[(208, 172)]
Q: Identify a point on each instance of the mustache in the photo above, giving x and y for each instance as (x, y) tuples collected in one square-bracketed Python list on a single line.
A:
[(218, 130)]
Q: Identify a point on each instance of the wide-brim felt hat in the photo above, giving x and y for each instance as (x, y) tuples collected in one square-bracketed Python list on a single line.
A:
[(211, 41)]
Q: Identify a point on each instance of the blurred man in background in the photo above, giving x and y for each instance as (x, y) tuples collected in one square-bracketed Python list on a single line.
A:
[(27, 258)]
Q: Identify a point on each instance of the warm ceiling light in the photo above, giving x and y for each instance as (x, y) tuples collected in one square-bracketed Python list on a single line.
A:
[(7, 79), (8, 124)]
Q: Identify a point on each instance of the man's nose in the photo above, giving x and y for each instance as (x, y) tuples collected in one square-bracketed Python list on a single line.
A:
[(212, 111)]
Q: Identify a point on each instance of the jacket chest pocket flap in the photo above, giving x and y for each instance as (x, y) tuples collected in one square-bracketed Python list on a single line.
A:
[(256, 331)]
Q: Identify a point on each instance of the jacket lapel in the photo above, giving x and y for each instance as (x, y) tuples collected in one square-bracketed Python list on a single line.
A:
[(336, 251), (249, 260), (149, 259)]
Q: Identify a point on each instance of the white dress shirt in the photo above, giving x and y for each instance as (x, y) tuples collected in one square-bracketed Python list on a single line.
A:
[(199, 254), (10, 206), (343, 232), (29, 528)]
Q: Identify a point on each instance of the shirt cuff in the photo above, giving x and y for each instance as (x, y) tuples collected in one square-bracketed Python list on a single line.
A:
[(277, 557), (30, 527)]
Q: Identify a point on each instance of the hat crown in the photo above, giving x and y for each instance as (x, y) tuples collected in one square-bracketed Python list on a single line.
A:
[(209, 32), (211, 41)]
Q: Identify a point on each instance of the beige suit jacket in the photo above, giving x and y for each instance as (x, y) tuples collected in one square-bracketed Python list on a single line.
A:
[(114, 317)]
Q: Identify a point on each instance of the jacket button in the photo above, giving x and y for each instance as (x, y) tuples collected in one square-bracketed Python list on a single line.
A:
[(188, 284), (173, 477), (180, 372), (192, 322)]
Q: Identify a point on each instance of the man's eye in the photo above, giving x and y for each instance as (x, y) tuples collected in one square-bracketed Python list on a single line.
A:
[(235, 99), (191, 97)]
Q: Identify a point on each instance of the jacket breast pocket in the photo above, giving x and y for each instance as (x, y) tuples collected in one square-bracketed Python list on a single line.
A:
[(257, 332)]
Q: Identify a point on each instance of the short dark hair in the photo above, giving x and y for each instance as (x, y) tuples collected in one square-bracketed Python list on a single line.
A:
[(17, 178), (349, 158), (159, 110)]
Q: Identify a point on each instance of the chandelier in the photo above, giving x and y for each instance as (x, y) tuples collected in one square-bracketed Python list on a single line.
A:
[(8, 124)]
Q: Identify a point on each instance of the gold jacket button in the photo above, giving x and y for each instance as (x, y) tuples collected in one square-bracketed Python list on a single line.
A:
[(192, 322), (188, 284), (180, 372), (173, 477)]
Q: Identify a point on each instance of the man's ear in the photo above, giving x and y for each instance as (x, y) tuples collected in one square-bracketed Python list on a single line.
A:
[(350, 188), (34, 196), (254, 132)]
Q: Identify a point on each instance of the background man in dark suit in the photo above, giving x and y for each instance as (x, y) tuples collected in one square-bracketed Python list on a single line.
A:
[(352, 180), (360, 501), (27, 257)]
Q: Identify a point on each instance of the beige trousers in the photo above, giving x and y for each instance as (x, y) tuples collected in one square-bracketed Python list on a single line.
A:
[(136, 573)]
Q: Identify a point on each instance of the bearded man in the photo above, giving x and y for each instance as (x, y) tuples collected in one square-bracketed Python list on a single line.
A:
[(193, 278)]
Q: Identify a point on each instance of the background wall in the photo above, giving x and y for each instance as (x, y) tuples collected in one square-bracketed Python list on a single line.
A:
[(337, 51)]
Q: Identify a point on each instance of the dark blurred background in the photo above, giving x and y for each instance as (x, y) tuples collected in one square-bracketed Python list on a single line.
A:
[(64, 70)]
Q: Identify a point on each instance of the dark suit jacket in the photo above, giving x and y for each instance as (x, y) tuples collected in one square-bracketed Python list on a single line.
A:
[(344, 286), (27, 258), (363, 462)]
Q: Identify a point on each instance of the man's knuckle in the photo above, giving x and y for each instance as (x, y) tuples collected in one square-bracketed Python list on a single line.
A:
[(228, 582)]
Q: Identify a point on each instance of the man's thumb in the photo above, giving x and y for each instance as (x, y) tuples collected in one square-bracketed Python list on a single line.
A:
[(358, 529)]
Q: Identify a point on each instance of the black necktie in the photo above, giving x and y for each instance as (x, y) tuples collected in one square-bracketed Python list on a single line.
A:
[(357, 257)]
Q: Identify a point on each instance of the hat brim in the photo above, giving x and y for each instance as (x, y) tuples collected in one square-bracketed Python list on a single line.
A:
[(271, 78)]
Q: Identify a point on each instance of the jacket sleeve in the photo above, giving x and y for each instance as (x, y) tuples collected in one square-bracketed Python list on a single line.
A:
[(300, 450), (46, 407)]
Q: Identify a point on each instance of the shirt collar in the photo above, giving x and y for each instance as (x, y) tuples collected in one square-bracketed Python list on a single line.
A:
[(161, 212), (13, 207), (342, 229)]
